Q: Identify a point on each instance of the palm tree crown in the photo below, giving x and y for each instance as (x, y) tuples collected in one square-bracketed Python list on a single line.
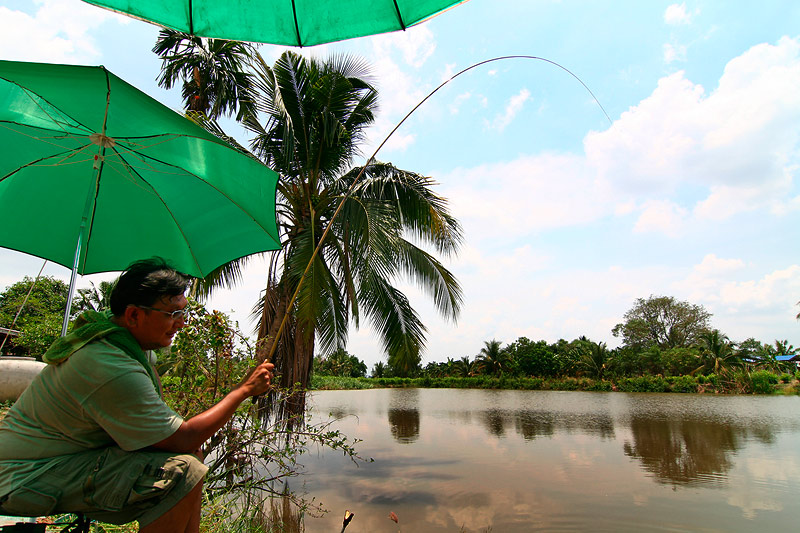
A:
[(213, 72), (311, 117)]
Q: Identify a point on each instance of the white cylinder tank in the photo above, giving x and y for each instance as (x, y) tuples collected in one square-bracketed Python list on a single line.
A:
[(16, 373)]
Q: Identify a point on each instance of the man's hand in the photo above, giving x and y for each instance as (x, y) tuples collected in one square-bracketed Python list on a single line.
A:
[(194, 432), (258, 380)]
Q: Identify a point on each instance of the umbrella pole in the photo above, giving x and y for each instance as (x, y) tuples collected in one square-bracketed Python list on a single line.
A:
[(72, 279), (84, 219)]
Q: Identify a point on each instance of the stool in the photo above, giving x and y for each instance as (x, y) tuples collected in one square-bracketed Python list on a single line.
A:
[(81, 524)]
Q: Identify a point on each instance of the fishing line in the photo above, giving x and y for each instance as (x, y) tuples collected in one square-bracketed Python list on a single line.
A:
[(350, 189)]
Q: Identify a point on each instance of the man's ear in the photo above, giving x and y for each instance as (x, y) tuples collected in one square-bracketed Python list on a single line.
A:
[(131, 316)]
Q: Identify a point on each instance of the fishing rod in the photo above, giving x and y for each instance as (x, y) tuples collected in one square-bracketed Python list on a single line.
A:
[(350, 189)]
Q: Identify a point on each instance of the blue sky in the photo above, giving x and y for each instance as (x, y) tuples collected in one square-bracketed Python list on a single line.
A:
[(690, 191)]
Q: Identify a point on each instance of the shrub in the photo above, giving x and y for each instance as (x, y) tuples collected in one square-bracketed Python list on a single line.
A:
[(763, 382), (683, 384), (643, 384), (786, 378)]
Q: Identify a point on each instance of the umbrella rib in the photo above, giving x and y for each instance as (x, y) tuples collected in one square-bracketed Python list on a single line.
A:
[(399, 16), (101, 164), (29, 92), (296, 26), (56, 134), (34, 163), (142, 157), (191, 18)]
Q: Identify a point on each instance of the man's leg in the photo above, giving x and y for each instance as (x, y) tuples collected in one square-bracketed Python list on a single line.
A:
[(184, 517)]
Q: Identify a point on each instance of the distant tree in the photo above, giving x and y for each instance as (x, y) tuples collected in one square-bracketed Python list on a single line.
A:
[(533, 358), (213, 72), (94, 298), (492, 360), (784, 348), (39, 320), (340, 363), (568, 356), (765, 356), (680, 361), (751, 349), (596, 360), (463, 367), (662, 321), (378, 370), (717, 353)]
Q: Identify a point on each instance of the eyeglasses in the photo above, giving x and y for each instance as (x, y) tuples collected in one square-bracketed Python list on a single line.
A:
[(174, 315)]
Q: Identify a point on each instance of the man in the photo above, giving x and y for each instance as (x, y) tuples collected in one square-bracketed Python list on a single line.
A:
[(91, 433)]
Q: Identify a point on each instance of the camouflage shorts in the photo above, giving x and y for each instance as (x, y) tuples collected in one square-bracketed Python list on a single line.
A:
[(110, 485)]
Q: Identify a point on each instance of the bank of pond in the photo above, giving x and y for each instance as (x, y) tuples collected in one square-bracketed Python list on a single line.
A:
[(740, 382)]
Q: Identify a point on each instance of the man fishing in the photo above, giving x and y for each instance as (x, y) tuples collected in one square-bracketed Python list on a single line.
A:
[(91, 434)]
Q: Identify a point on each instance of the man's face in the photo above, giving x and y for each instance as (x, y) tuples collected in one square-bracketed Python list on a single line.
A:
[(153, 328)]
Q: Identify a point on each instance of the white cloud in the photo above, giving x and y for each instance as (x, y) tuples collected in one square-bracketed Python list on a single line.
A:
[(676, 14), (661, 216), (416, 45), (455, 107), (674, 52), (58, 32), (724, 285), (514, 106), (740, 141), (506, 201)]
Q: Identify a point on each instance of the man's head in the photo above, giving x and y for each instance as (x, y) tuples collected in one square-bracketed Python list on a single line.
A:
[(143, 299)]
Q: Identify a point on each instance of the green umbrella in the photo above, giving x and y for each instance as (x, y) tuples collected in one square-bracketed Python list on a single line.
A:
[(287, 22), (95, 174)]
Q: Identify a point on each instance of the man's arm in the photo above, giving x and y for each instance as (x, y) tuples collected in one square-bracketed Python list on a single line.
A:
[(194, 432)]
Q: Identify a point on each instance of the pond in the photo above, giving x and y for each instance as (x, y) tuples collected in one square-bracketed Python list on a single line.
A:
[(513, 461)]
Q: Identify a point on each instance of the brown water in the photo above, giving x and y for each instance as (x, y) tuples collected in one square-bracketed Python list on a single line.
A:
[(514, 461)]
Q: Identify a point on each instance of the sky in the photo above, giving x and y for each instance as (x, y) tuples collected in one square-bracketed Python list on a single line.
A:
[(689, 187)]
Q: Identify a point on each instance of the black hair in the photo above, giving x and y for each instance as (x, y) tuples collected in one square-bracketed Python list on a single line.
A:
[(146, 281)]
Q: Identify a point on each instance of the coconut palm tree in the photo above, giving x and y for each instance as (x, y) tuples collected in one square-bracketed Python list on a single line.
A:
[(95, 298), (214, 72), (463, 367), (492, 360), (595, 360), (311, 117), (717, 353)]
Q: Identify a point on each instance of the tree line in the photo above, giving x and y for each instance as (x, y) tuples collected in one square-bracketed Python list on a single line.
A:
[(661, 336)]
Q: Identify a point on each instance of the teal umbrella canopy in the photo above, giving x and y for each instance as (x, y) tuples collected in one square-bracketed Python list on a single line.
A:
[(285, 22), (89, 163)]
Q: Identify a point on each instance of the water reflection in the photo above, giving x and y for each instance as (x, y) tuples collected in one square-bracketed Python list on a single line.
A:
[(690, 450), (682, 452), (514, 461), (404, 415)]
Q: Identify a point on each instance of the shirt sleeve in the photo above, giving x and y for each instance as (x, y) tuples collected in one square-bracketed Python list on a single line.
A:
[(130, 410)]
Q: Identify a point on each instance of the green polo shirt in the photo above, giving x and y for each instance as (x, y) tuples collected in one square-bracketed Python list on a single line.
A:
[(99, 397)]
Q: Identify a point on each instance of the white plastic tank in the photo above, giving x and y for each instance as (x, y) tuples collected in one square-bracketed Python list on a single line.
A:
[(16, 373)]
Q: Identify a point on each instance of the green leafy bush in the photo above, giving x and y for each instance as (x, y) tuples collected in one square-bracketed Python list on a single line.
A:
[(763, 382)]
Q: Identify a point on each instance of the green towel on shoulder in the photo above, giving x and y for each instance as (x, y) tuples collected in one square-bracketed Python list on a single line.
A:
[(91, 326)]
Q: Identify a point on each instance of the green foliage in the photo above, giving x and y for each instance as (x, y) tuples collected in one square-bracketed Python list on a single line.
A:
[(493, 360), (320, 382), (763, 382), (379, 370), (212, 71), (36, 335), (95, 297), (685, 384), (643, 384), (340, 363), (717, 353), (40, 319), (533, 358), (786, 378), (248, 457), (662, 321)]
